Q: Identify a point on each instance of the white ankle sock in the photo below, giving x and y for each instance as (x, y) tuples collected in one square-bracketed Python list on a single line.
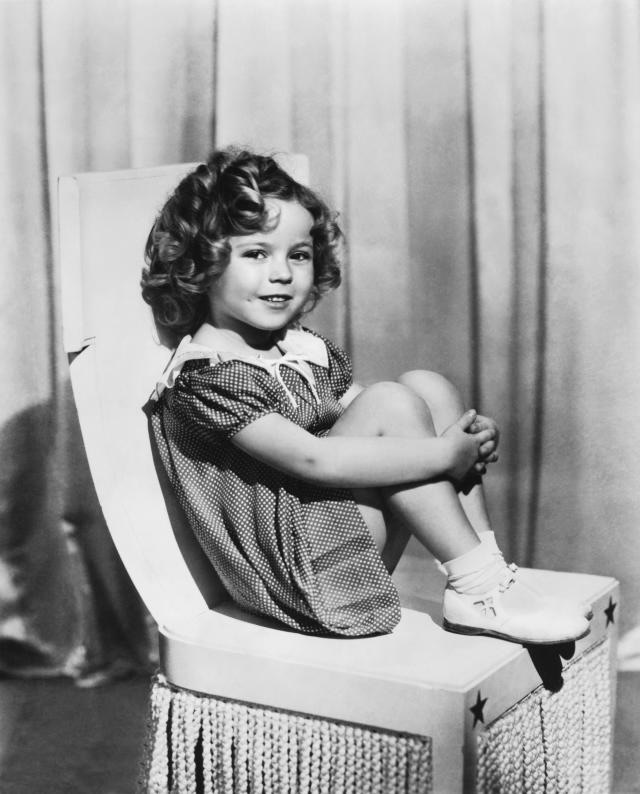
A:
[(488, 538), (476, 571)]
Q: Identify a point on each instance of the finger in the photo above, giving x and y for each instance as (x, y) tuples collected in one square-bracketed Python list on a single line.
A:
[(479, 424), (485, 422), (487, 448), (483, 437), (467, 419), (480, 468)]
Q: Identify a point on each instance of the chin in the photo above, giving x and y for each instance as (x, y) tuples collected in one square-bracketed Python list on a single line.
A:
[(277, 323)]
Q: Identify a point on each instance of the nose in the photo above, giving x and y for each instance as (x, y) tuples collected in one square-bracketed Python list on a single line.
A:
[(280, 270)]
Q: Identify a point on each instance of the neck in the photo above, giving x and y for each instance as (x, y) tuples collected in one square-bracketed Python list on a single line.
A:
[(252, 341)]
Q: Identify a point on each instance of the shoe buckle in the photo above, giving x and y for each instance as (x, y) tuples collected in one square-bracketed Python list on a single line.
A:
[(486, 606), (504, 586)]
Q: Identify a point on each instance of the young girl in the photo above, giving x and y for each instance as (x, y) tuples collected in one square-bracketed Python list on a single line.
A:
[(300, 485)]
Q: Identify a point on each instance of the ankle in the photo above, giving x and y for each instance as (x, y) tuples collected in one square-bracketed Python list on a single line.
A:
[(476, 571)]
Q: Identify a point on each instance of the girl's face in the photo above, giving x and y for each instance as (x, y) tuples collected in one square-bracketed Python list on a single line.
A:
[(269, 276)]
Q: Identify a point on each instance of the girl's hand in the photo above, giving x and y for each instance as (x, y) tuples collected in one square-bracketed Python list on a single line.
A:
[(469, 449), (488, 451)]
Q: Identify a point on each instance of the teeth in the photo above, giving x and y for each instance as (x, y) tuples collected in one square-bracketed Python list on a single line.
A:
[(276, 299)]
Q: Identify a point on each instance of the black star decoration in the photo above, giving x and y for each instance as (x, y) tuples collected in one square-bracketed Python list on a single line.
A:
[(477, 710), (610, 610)]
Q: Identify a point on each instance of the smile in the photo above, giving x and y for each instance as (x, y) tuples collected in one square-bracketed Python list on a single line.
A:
[(276, 298)]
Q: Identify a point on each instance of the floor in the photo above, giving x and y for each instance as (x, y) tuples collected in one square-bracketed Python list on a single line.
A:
[(60, 739)]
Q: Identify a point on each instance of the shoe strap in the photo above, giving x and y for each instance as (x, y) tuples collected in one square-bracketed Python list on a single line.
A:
[(509, 579)]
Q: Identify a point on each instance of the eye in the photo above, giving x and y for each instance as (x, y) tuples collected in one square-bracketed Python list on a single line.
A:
[(254, 253), (301, 256)]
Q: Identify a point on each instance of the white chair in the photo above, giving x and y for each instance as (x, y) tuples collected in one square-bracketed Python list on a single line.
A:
[(242, 704)]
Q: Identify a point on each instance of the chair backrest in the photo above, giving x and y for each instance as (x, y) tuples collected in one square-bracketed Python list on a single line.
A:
[(104, 222)]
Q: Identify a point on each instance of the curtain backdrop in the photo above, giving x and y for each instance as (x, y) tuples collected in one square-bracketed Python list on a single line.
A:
[(485, 158), (84, 85), (483, 155)]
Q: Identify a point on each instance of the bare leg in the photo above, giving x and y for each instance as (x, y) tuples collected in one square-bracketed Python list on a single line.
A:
[(429, 510), (446, 407), (483, 595)]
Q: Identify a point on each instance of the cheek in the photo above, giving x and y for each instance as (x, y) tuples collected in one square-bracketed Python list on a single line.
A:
[(232, 285), (310, 277)]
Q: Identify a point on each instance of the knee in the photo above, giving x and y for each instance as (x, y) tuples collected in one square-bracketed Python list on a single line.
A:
[(400, 404), (396, 395), (439, 393)]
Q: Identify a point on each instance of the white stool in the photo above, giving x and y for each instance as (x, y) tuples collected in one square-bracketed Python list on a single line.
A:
[(417, 710)]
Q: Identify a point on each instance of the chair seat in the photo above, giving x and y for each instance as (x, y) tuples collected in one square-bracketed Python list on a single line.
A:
[(404, 681)]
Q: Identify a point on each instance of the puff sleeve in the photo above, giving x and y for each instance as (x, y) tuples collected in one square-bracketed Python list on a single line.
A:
[(340, 367), (216, 402)]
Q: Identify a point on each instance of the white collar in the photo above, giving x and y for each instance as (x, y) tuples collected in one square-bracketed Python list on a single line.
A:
[(304, 344), (298, 346), (295, 342)]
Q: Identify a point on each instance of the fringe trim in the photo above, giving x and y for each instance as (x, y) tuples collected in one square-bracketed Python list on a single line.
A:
[(553, 742), (199, 743)]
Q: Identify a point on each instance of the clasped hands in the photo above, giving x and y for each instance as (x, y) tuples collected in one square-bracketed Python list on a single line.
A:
[(474, 441)]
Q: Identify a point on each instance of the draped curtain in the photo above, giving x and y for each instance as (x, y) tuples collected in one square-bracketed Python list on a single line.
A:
[(85, 85), (483, 156)]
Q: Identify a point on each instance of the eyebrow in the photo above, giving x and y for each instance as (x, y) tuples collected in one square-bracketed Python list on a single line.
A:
[(300, 243)]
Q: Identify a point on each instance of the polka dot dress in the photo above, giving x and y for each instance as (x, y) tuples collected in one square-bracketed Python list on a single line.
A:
[(283, 548)]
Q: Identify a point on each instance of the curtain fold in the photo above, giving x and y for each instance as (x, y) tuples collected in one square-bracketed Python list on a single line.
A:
[(83, 86), (590, 466), (483, 156)]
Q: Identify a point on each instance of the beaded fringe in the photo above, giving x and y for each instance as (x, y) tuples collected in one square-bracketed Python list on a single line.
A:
[(553, 743), (204, 744)]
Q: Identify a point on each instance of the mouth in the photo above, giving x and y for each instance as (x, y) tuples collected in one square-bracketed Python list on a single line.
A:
[(276, 300)]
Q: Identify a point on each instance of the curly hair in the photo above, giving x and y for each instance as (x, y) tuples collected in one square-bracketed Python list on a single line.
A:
[(188, 248)]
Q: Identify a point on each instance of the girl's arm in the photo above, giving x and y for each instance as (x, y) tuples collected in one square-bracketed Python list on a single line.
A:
[(360, 462)]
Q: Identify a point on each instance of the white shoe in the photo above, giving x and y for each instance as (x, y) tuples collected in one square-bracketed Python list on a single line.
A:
[(527, 579), (511, 611)]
